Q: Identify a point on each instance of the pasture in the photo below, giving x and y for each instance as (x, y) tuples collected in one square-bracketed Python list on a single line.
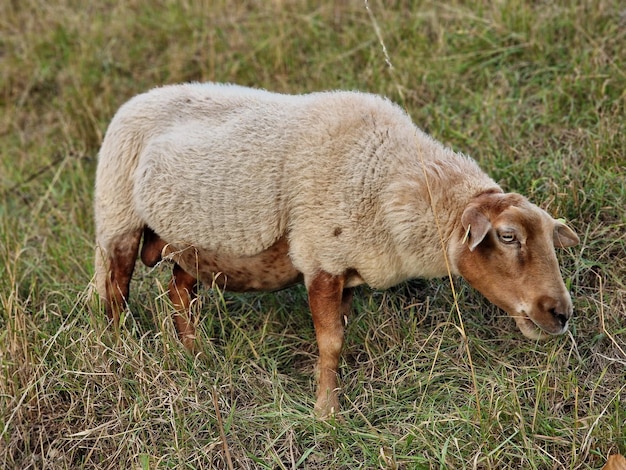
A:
[(433, 376)]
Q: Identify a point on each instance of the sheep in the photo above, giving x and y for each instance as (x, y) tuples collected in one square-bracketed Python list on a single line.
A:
[(250, 190)]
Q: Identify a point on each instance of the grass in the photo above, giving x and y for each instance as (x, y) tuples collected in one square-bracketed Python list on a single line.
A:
[(533, 90)]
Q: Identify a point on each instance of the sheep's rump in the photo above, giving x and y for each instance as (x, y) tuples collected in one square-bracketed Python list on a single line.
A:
[(211, 187)]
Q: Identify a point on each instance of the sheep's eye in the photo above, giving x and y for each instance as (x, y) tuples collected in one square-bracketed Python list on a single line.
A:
[(507, 237)]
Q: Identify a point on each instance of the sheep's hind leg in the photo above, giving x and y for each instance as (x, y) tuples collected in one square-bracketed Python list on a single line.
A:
[(152, 248), (182, 291), (328, 305), (346, 303), (182, 287), (122, 255)]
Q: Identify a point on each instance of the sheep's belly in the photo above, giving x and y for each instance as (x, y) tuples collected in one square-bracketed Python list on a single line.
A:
[(267, 271)]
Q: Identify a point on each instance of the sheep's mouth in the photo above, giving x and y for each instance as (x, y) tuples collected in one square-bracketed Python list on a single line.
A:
[(531, 329)]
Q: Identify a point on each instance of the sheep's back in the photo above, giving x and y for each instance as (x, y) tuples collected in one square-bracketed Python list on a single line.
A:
[(232, 169), (222, 166)]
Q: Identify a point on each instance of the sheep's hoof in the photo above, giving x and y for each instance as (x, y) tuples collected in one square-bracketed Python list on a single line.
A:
[(189, 342), (327, 406)]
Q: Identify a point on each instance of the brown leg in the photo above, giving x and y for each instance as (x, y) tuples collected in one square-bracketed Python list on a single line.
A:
[(326, 302), (152, 248), (346, 303), (182, 290), (122, 257)]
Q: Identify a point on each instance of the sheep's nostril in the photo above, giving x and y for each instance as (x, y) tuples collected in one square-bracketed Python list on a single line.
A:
[(561, 317)]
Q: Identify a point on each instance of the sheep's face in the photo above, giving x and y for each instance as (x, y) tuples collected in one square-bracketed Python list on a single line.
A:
[(508, 255)]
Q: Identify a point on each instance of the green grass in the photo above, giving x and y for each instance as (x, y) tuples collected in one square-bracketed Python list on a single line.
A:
[(533, 90)]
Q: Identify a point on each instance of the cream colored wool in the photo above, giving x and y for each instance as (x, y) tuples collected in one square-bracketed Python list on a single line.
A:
[(231, 169)]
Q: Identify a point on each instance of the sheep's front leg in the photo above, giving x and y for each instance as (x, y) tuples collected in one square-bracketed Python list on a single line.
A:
[(327, 304), (182, 290)]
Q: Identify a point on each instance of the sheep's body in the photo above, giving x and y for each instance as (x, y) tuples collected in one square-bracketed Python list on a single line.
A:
[(231, 170), (262, 190)]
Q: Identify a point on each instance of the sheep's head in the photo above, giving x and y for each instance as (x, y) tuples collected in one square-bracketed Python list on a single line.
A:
[(508, 255)]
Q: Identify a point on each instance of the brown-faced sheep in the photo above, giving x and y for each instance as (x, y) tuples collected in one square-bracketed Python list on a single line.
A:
[(253, 190)]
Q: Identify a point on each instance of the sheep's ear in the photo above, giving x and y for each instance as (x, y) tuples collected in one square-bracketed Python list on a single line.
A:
[(564, 236), (476, 226)]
